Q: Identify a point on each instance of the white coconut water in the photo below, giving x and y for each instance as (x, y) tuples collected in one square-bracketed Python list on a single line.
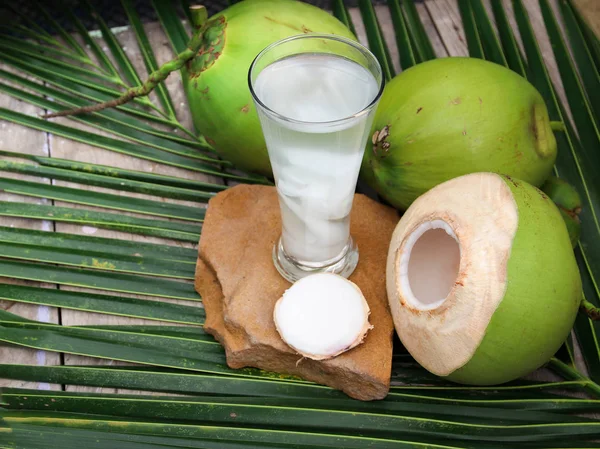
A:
[(315, 137)]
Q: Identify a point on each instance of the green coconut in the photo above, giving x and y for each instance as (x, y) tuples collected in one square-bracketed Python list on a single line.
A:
[(216, 80), (453, 116), (482, 281)]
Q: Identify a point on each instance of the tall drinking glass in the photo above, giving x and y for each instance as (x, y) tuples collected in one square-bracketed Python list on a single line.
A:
[(316, 96)]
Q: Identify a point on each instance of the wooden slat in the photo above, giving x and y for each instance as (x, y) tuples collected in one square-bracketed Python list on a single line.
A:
[(432, 31), (446, 19), (591, 10)]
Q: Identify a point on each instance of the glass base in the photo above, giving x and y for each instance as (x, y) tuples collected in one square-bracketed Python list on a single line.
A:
[(293, 269)]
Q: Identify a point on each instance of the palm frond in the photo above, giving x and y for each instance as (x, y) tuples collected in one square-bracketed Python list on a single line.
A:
[(489, 40), (114, 172), (131, 77), (119, 222), (589, 72), (247, 408), (471, 31), (514, 58), (376, 40), (420, 39), (341, 12), (408, 56), (110, 121), (99, 276), (174, 29), (66, 37), (148, 55), (108, 182), (106, 304)]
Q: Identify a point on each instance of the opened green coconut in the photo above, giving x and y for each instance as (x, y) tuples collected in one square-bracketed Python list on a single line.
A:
[(452, 116), (482, 280)]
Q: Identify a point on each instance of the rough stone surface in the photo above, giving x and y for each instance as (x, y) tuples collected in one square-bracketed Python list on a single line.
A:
[(239, 286)]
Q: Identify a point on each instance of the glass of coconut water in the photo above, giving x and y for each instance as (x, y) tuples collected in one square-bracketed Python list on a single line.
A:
[(316, 96)]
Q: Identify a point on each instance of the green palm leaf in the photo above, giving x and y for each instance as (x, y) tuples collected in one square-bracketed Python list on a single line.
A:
[(590, 73), (89, 259), (418, 35), (131, 76), (32, 47), (377, 42), (341, 12), (148, 55), (14, 48), (587, 127), (79, 87), (471, 32), (104, 60), (98, 278), (98, 199), (393, 418), (52, 67), (71, 42), (120, 146), (113, 122), (489, 40), (107, 304), (181, 382), (110, 247), (591, 39), (171, 24), (114, 172), (119, 222), (35, 28), (107, 182), (405, 45), (514, 59)]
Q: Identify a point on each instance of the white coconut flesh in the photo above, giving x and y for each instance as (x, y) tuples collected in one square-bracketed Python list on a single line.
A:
[(429, 264), (322, 315), (447, 268)]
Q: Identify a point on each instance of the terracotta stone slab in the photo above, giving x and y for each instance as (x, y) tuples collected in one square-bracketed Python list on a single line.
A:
[(239, 285)]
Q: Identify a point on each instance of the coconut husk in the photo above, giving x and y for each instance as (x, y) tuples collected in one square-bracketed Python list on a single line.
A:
[(239, 286)]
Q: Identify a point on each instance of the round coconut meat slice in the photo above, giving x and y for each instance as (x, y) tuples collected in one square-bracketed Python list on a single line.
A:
[(322, 315), (482, 281)]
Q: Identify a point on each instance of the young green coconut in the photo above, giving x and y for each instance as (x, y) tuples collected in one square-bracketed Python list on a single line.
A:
[(453, 116), (482, 281), (322, 315), (215, 67)]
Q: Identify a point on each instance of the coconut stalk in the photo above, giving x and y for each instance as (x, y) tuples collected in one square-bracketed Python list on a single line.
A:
[(590, 310)]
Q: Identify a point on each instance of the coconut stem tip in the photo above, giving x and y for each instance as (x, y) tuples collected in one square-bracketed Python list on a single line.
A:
[(199, 15), (557, 126), (590, 310)]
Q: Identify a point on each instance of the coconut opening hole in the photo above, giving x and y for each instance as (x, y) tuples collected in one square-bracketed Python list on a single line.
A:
[(433, 267)]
